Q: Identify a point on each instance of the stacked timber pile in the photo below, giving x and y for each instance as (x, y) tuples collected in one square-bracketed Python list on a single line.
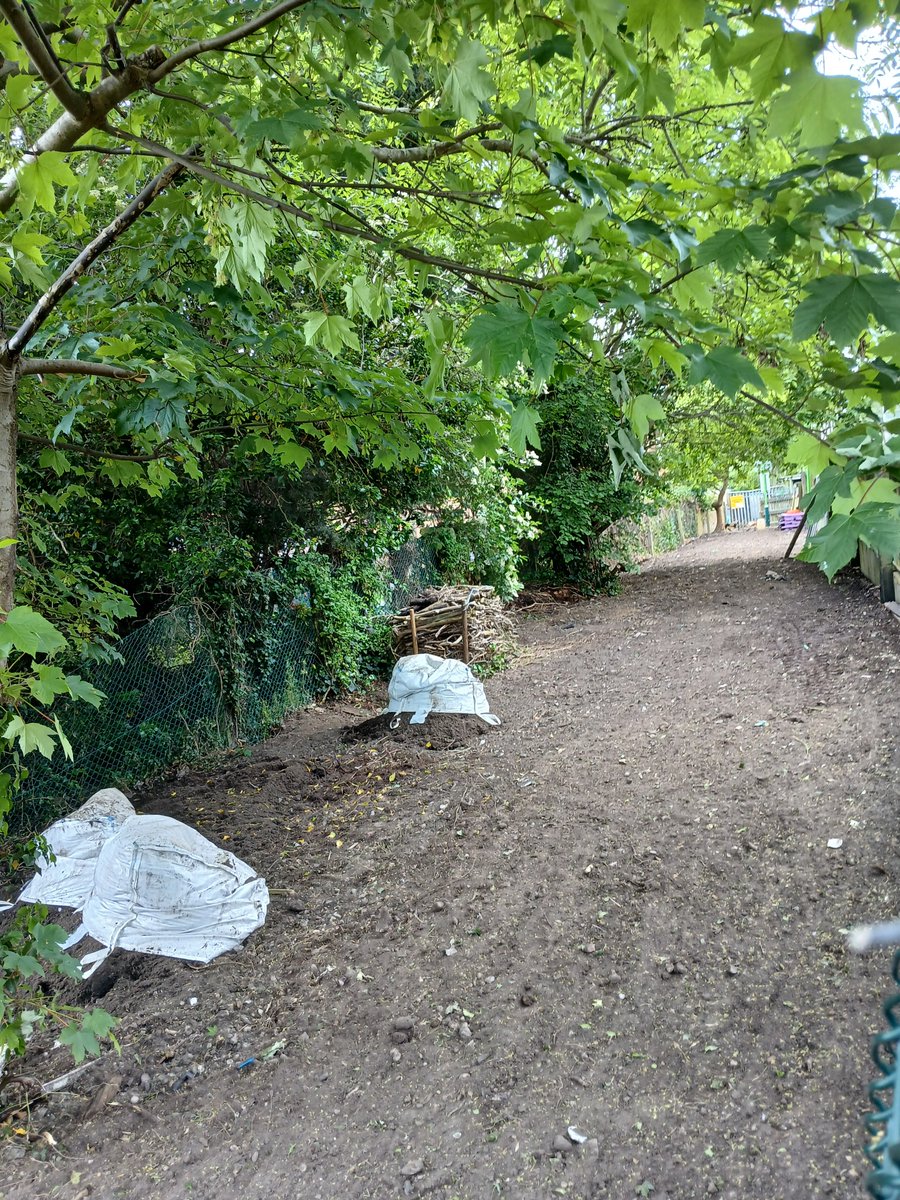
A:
[(468, 623)]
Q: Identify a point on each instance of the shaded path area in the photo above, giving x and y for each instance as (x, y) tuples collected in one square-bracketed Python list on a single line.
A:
[(617, 915)]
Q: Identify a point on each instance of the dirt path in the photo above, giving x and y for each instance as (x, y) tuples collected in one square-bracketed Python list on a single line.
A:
[(616, 913)]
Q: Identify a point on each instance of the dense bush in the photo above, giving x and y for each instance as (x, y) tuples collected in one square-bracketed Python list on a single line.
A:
[(572, 486)]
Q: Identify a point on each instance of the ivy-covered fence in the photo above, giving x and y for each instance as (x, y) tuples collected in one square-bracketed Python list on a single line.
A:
[(173, 697), (667, 529)]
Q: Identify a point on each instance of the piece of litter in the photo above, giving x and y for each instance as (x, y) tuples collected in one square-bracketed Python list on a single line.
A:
[(835, 843), (759, 724), (193, 1002), (575, 1136)]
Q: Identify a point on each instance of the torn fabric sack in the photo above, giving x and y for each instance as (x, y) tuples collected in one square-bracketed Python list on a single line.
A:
[(65, 877), (146, 883), (160, 887)]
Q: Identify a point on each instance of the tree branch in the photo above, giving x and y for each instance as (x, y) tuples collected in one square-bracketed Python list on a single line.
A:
[(408, 154), (784, 416), (92, 251), (77, 366), (225, 39), (411, 253), (42, 57), (595, 97), (77, 448)]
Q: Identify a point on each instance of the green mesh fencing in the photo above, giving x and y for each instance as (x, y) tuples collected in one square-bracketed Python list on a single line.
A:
[(883, 1123), (170, 701)]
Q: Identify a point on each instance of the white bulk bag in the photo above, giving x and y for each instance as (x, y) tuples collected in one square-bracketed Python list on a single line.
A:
[(162, 888), (75, 843), (424, 683)]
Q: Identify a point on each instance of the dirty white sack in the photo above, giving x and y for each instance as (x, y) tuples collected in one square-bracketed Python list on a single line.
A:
[(146, 883), (160, 887), (66, 880), (423, 683)]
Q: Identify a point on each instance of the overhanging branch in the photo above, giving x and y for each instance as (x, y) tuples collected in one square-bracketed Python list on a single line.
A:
[(91, 452), (77, 366), (411, 253), (43, 59), (92, 251), (224, 40), (778, 412)]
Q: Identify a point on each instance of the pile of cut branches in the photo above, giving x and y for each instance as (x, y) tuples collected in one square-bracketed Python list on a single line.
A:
[(468, 623)]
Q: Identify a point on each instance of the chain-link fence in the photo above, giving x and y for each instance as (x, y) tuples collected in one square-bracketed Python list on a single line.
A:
[(171, 700)]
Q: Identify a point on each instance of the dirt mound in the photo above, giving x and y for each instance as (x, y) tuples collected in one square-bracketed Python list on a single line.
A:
[(441, 731)]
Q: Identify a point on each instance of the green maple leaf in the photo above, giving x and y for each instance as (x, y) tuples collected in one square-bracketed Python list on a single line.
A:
[(84, 1037), (598, 17), (808, 451), (294, 455), (37, 178), (818, 107), (724, 367), (523, 431), (30, 737), (665, 21), (468, 85), (289, 129), (834, 481), (773, 50), (642, 410), (82, 690), (731, 247), (844, 303), (48, 683), (24, 965), (330, 331), (504, 335), (878, 525), (250, 230), (29, 632)]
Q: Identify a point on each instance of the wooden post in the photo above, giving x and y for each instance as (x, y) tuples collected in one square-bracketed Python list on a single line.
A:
[(412, 626), (797, 532), (465, 633)]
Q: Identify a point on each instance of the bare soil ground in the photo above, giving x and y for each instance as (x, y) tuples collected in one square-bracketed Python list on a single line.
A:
[(617, 913)]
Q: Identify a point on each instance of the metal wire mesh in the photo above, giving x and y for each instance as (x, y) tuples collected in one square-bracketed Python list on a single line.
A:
[(170, 700), (883, 1124)]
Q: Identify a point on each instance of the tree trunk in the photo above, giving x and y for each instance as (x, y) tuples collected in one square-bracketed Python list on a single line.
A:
[(9, 506), (12, 365), (719, 506)]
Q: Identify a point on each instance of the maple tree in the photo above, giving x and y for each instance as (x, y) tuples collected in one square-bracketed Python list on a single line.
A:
[(302, 230), (594, 177)]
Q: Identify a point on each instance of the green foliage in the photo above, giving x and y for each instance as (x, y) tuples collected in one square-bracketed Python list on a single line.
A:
[(483, 537), (878, 525), (398, 186), (859, 494), (573, 489), (844, 303), (29, 950)]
